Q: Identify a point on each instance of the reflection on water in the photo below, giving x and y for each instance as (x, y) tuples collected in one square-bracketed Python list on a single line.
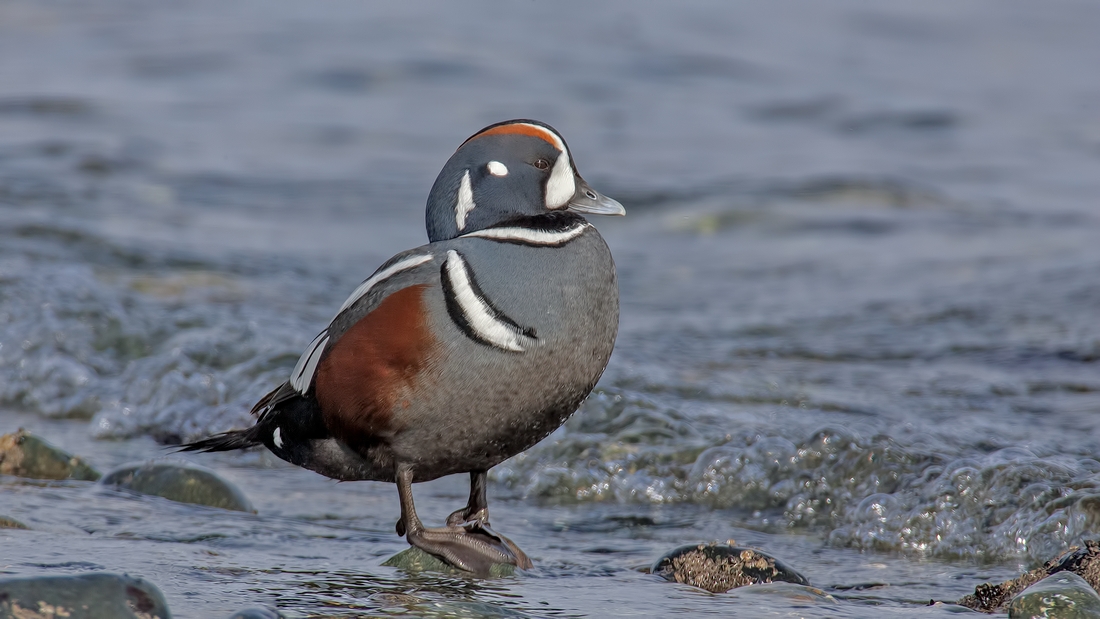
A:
[(859, 288)]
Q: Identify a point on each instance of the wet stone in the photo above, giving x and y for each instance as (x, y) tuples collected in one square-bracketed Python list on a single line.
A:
[(86, 596), (23, 454), (1064, 595), (414, 560), (179, 481), (11, 523), (1083, 561), (720, 567)]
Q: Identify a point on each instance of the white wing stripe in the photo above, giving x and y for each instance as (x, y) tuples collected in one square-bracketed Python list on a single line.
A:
[(530, 236), (385, 273), (302, 376), (476, 311)]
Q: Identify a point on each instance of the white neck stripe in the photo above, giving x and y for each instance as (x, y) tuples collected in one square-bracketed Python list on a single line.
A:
[(530, 236), (476, 311), (465, 202)]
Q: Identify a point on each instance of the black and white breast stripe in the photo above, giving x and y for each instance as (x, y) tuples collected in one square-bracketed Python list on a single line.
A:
[(474, 314)]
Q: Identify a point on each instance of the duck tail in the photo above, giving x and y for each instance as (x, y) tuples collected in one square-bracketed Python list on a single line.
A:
[(226, 441)]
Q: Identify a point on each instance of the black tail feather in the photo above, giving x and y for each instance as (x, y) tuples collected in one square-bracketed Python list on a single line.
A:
[(226, 441)]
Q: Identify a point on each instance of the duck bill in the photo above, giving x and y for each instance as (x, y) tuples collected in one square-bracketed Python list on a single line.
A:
[(591, 202)]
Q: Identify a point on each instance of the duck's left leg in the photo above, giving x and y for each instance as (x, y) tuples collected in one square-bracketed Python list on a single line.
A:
[(474, 548)]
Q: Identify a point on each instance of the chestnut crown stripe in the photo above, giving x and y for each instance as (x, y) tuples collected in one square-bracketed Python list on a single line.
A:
[(527, 129)]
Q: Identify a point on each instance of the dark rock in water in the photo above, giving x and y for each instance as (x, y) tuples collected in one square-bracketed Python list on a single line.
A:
[(721, 567), (23, 454), (1083, 561), (179, 481), (1064, 595), (87, 596), (414, 559), (258, 613), (11, 523)]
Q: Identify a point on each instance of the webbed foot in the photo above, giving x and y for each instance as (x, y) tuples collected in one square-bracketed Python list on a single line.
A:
[(474, 548)]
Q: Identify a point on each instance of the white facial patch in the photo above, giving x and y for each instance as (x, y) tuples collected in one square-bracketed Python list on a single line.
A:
[(561, 186), (497, 168), (277, 438), (480, 318), (465, 202), (386, 273)]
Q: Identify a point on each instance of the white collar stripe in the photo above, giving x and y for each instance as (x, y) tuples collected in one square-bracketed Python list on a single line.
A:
[(386, 273), (530, 236), (476, 313), (465, 202)]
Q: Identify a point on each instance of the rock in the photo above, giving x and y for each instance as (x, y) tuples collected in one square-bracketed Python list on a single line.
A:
[(179, 481), (260, 612), (721, 567), (11, 523), (1064, 595), (86, 596), (414, 559), (25, 455), (1083, 561)]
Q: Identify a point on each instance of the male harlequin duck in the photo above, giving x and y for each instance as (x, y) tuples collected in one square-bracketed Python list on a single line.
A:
[(461, 353)]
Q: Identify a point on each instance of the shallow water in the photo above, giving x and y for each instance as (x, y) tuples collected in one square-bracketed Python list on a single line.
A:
[(860, 287)]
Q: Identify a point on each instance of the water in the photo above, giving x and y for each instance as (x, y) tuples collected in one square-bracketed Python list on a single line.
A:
[(860, 287)]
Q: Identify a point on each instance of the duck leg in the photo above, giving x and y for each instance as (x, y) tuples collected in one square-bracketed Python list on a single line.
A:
[(474, 548), (477, 509)]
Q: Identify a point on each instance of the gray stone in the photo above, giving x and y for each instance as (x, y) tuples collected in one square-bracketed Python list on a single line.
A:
[(1064, 595), (86, 596), (179, 481), (414, 559), (721, 567), (23, 454)]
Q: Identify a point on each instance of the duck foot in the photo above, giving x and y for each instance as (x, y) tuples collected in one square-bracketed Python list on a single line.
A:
[(473, 548)]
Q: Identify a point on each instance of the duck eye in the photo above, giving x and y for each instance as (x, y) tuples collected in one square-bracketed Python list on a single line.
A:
[(542, 164)]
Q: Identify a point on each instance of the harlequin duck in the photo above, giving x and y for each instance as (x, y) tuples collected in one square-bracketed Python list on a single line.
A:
[(461, 353)]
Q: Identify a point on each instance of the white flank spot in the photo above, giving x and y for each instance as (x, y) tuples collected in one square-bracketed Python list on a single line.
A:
[(476, 311), (278, 437), (465, 200), (561, 186), (385, 273), (529, 236), (302, 376), (497, 168)]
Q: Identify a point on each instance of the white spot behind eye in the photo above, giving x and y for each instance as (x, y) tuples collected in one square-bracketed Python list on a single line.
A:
[(465, 200), (497, 168), (277, 438)]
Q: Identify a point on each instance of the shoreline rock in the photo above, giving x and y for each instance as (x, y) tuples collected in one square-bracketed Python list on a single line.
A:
[(23, 454), (1083, 561), (721, 567), (181, 481)]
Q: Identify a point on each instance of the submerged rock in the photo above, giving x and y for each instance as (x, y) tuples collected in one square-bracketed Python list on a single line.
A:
[(414, 559), (721, 567), (23, 454), (1083, 561), (179, 481), (11, 523), (1064, 595), (87, 596)]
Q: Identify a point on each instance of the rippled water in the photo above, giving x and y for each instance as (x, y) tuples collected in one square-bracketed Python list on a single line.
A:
[(860, 287)]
